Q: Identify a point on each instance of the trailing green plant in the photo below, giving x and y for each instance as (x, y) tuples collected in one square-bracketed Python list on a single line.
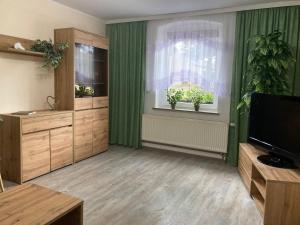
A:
[(81, 91), (174, 96), (53, 52), (268, 65)]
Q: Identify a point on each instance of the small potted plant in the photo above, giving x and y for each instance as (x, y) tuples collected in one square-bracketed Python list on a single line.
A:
[(89, 91), (196, 97), (79, 90), (174, 96)]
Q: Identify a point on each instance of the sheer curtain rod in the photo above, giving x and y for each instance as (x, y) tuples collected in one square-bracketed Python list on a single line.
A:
[(207, 12)]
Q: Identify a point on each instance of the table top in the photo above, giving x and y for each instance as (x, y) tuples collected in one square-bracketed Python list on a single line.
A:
[(39, 113), (33, 204), (270, 173)]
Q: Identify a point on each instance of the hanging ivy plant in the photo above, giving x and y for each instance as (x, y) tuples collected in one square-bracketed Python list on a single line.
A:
[(268, 65), (53, 52)]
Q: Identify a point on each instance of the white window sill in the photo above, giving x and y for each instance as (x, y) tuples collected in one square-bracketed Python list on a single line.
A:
[(178, 109)]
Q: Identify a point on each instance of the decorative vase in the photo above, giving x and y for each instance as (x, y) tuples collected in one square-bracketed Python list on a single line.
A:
[(197, 107), (173, 106)]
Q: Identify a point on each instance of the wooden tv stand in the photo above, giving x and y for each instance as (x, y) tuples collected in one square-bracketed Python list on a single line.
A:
[(275, 191)]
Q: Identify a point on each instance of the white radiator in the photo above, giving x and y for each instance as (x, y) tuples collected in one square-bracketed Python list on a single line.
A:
[(188, 133)]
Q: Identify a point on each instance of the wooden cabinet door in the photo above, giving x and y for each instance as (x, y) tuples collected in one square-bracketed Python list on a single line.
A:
[(35, 155), (100, 130), (61, 143), (83, 134)]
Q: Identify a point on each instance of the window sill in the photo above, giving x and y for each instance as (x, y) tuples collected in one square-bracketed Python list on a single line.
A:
[(204, 111)]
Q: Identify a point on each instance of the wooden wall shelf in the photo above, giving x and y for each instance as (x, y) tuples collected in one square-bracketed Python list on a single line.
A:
[(22, 52), (7, 46)]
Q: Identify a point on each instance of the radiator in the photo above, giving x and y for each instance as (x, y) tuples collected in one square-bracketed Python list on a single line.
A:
[(188, 133)]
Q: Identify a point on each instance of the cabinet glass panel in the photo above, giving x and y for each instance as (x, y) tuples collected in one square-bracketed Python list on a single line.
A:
[(91, 68)]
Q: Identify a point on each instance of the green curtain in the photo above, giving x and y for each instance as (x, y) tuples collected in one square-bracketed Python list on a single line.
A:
[(248, 24), (127, 58)]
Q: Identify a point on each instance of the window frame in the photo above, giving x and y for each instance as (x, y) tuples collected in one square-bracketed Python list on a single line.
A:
[(161, 102)]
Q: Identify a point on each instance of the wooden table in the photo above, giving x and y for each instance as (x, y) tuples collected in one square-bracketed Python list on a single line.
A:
[(30, 204)]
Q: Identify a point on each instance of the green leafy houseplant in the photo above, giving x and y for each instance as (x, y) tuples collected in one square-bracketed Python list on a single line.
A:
[(89, 91), (268, 65), (53, 52), (196, 97), (81, 91), (207, 98), (174, 96)]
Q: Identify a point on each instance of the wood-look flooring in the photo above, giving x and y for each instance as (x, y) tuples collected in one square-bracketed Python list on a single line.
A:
[(151, 187)]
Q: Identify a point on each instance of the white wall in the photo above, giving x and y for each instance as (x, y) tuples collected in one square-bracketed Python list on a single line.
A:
[(24, 84)]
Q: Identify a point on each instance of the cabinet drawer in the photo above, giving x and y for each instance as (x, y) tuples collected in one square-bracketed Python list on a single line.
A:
[(40, 123), (100, 136), (100, 114), (83, 103), (61, 142), (35, 154), (83, 135), (100, 102)]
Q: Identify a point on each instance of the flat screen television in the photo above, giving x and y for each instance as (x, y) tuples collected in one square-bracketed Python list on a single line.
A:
[(274, 123)]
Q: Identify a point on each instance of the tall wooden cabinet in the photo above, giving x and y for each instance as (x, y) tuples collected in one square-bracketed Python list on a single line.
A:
[(85, 63)]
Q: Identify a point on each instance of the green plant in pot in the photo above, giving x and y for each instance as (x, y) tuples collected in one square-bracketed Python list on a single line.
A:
[(54, 53), (79, 90), (268, 65), (174, 96), (82, 91), (196, 97), (89, 91)]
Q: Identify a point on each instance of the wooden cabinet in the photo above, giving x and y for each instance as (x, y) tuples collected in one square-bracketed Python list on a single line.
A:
[(275, 191), (33, 145), (91, 132), (100, 130), (61, 142), (35, 155), (85, 63), (83, 135)]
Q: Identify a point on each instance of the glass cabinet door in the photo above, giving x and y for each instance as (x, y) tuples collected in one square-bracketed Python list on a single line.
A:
[(91, 68), (100, 72)]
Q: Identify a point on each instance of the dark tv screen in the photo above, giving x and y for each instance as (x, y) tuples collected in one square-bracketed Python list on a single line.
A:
[(275, 124)]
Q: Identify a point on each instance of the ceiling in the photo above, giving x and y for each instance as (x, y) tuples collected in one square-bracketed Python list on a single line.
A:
[(121, 9)]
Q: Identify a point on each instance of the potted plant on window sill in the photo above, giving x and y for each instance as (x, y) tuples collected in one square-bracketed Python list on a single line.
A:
[(196, 98), (174, 96)]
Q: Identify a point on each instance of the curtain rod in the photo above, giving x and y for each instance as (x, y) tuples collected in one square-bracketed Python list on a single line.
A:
[(207, 12)]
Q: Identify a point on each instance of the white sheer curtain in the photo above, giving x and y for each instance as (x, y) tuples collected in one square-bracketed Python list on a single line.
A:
[(197, 50)]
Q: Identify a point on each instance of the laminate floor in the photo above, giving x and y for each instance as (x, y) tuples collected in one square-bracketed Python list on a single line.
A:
[(151, 187)]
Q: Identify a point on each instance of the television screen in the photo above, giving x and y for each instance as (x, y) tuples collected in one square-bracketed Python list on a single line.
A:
[(275, 124)]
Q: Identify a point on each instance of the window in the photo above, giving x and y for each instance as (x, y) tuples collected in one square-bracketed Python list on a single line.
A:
[(190, 53), (209, 100)]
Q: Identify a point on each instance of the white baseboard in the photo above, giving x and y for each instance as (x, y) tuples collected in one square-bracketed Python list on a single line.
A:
[(183, 150)]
